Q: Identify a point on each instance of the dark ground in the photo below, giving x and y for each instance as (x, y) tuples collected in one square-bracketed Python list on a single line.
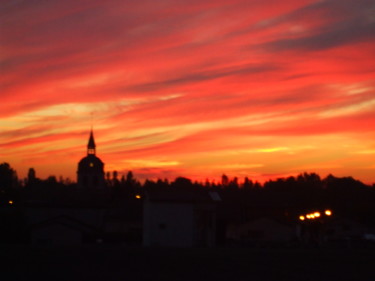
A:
[(106, 263)]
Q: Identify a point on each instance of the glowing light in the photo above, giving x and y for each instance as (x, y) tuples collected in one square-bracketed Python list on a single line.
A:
[(10, 202), (308, 216), (302, 218), (311, 216), (328, 212), (317, 214), (138, 196)]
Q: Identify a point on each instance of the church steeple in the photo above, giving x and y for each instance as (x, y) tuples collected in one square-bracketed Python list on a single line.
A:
[(90, 173), (91, 144)]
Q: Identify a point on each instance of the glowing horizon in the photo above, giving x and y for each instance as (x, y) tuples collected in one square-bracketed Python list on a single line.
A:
[(189, 88)]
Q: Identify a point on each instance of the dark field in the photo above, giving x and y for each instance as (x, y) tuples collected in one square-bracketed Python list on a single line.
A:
[(121, 263)]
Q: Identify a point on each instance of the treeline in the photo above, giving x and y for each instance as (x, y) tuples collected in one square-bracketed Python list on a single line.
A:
[(294, 193), (303, 182), (240, 199)]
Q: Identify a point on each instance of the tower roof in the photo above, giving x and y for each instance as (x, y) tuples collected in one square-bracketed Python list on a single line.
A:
[(91, 143)]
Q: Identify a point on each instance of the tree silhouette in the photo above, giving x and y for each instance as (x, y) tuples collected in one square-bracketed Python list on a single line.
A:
[(181, 182), (8, 177), (224, 180)]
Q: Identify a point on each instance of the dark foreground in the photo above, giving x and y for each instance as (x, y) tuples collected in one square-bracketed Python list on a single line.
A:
[(104, 263)]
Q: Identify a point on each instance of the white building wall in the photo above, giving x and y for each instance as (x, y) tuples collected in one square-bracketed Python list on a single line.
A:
[(168, 224)]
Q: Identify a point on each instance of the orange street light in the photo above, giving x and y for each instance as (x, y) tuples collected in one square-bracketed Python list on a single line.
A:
[(138, 196), (328, 212), (317, 214), (301, 218)]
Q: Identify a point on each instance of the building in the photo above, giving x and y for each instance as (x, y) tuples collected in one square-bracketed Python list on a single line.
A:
[(90, 174), (63, 230), (261, 231), (179, 218)]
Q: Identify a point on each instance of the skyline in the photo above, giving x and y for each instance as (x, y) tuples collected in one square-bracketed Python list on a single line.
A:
[(189, 88)]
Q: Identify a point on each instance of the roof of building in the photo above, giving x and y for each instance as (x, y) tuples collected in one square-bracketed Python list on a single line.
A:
[(91, 159), (180, 196), (68, 222), (91, 143)]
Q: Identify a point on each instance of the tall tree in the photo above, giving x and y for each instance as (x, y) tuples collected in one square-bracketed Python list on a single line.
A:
[(8, 177)]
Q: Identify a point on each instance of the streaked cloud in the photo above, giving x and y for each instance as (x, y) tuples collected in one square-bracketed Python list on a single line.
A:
[(139, 163), (366, 151)]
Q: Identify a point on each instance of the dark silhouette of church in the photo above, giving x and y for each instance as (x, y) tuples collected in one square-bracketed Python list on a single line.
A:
[(90, 172)]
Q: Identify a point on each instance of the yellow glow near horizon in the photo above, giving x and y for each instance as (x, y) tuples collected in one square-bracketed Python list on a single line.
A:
[(272, 149), (151, 163)]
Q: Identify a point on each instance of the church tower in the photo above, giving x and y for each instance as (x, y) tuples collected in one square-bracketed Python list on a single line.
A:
[(90, 174)]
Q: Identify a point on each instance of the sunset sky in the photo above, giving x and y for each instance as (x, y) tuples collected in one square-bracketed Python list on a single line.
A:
[(263, 89)]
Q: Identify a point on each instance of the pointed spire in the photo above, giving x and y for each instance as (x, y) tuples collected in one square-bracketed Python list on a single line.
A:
[(91, 144)]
